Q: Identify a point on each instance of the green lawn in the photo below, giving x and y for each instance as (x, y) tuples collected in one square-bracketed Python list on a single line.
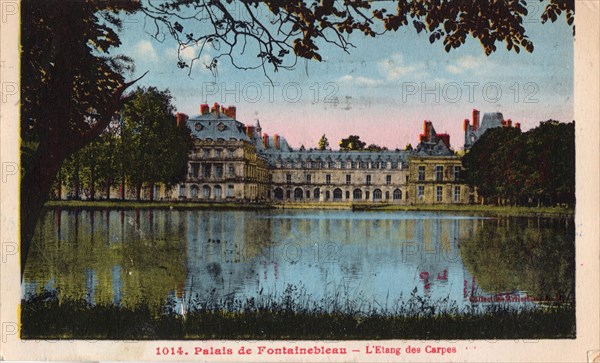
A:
[(129, 204)]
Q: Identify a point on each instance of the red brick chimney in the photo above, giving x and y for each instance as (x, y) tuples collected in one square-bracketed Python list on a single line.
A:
[(509, 122), (426, 135), (276, 141), (518, 125), (250, 132), (266, 140), (181, 119), (475, 119), (231, 112), (466, 124), (216, 109), (204, 110)]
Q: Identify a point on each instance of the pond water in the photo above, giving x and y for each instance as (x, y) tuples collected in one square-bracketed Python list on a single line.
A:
[(365, 259)]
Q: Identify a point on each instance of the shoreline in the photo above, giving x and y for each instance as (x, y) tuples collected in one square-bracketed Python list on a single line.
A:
[(366, 207)]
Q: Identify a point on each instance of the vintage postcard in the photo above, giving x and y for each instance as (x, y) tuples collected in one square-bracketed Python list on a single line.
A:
[(201, 180)]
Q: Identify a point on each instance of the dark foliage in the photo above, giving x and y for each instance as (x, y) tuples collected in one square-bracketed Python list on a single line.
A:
[(352, 142), (44, 317), (277, 32), (532, 168)]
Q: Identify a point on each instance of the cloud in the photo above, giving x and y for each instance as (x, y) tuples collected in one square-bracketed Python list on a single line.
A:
[(145, 50), (395, 68), (361, 81), (454, 69), (463, 64), (189, 54)]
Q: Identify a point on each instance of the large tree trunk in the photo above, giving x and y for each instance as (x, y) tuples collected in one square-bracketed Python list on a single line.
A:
[(59, 187), (93, 184), (107, 183), (76, 179), (151, 196), (35, 188)]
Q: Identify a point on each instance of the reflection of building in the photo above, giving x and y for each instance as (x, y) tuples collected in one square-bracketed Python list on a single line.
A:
[(233, 161)]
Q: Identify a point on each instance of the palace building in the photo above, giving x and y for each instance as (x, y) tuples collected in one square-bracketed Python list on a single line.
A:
[(233, 161), (473, 130)]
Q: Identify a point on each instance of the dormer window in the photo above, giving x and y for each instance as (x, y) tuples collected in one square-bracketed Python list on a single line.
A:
[(221, 127), (198, 126)]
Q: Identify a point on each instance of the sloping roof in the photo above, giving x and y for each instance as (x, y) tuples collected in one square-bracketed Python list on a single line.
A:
[(490, 120), (210, 126), (273, 156), (432, 149)]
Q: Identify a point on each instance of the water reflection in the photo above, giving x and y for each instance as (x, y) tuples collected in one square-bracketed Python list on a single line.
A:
[(136, 257), (532, 255)]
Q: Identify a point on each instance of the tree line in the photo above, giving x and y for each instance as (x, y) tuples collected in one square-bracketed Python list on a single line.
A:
[(537, 167), (142, 146), (353, 143)]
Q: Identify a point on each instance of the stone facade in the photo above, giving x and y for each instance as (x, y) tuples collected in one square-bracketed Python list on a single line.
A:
[(354, 176), (224, 163), (436, 180), (231, 161)]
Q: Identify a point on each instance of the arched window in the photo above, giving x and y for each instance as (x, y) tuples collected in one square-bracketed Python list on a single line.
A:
[(278, 193), (357, 194), (194, 190), (218, 193), (206, 191), (298, 194), (347, 194), (317, 193), (397, 194), (337, 194), (377, 194)]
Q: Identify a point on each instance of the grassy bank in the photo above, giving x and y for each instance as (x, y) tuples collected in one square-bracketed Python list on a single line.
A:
[(461, 208), (483, 209), (78, 320), (293, 315), (129, 204)]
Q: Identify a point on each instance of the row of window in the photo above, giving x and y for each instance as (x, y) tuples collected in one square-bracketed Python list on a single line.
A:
[(438, 173), (439, 192), (210, 170), (368, 179), (218, 152), (206, 191), (338, 194), (340, 165)]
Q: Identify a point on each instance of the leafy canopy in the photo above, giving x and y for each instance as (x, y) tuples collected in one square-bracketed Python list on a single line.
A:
[(352, 142), (323, 143), (535, 167), (277, 32)]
